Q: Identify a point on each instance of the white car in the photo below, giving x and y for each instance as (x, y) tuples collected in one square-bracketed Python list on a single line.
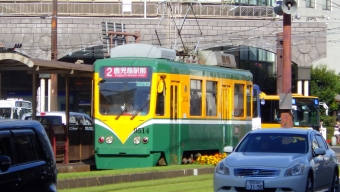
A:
[(278, 160), (59, 117)]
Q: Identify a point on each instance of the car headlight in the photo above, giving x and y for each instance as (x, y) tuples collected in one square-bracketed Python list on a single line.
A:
[(221, 169), (296, 170)]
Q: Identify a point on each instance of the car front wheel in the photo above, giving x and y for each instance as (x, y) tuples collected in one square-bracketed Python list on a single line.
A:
[(335, 183), (309, 186)]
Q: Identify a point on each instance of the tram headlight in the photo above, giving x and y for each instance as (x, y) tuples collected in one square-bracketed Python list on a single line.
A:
[(109, 139), (101, 140), (145, 140), (136, 140)]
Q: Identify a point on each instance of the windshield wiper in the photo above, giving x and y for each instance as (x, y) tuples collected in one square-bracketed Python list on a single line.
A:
[(121, 113), (140, 109)]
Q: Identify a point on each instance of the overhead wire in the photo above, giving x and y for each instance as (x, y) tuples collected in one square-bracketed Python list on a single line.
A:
[(197, 35)]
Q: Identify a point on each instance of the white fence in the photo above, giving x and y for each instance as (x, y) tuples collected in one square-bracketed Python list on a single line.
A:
[(153, 9)]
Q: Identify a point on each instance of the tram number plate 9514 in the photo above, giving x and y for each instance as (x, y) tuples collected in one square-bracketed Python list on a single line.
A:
[(254, 185)]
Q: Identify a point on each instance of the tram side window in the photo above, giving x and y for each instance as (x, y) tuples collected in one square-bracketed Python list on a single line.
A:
[(160, 104), (249, 90), (195, 97), (239, 100), (211, 92)]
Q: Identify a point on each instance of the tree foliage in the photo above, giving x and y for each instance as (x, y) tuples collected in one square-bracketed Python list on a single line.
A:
[(325, 84)]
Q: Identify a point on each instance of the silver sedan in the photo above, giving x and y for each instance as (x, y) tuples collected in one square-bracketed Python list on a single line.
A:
[(278, 160)]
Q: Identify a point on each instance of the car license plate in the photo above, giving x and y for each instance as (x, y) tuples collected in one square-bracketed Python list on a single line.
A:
[(254, 185)]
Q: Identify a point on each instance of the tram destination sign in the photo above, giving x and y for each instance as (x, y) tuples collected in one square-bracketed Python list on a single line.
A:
[(126, 72)]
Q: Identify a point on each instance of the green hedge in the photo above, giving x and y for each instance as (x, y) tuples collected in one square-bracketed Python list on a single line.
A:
[(329, 122)]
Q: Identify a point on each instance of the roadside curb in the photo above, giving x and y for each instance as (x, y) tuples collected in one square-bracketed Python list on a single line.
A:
[(124, 178)]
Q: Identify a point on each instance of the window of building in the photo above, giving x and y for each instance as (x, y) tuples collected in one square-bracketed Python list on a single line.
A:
[(244, 1), (262, 3), (310, 3), (270, 69), (262, 55), (326, 4), (271, 56), (244, 53), (239, 100), (252, 2), (211, 94), (195, 97), (271, 3), (253, 53)]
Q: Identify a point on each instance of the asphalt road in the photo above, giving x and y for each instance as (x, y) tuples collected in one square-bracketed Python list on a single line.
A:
[(336, 149)]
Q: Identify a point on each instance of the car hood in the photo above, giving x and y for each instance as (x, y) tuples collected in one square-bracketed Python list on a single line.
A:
[(280, 160)]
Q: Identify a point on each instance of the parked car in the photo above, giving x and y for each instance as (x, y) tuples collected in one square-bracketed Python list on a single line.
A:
[(26, 158), (278, 160), (59, 117)]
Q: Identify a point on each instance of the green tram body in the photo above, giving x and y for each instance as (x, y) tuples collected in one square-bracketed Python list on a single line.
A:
[(170, 137)]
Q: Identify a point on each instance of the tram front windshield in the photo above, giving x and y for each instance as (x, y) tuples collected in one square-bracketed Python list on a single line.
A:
[(125, 93)]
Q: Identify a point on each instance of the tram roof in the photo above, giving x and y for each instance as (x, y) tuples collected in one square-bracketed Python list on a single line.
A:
[(163, 60), (174, 67), (14, 62)]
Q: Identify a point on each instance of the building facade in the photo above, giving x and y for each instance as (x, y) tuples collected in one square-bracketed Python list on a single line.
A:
[(248, 29)]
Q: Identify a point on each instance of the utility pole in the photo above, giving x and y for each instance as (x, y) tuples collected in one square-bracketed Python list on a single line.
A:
[(286, 8), (286, 96), (54, 57)]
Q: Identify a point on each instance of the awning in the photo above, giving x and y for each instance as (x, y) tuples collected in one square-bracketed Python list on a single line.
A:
[(14, 61)]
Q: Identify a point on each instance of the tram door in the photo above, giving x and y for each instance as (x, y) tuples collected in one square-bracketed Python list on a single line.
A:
[(225, 113), (174, 124)]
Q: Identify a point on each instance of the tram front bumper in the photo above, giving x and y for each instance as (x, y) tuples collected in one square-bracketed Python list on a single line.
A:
[(123, 151)]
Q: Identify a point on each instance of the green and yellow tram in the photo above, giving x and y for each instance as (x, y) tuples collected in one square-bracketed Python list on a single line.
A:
[(151, 110)]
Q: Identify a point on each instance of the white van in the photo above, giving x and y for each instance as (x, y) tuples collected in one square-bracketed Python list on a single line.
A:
[(14, 108), (59, 117)]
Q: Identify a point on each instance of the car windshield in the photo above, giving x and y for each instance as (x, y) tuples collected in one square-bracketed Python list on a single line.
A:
[(274, 142)]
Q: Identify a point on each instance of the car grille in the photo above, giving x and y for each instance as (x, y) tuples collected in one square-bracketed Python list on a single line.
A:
[(256, 172)]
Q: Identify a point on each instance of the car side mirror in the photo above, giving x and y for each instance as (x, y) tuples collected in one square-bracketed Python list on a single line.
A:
[(5, 162), (228, 149), (319, 151)]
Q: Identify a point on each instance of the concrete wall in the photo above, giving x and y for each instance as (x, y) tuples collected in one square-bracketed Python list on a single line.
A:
[(74, 34), (331, 18)]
